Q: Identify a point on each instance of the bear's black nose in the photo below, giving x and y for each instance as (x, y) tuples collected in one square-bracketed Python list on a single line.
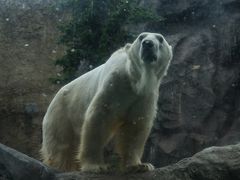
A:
[(147, 43)]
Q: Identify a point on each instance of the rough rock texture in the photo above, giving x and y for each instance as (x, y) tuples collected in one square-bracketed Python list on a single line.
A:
[(199, 99), (215, 163), (17, 166), (28, 48)]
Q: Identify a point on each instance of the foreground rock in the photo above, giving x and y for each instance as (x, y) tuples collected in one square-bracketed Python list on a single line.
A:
[(215, 163), (17, 166)]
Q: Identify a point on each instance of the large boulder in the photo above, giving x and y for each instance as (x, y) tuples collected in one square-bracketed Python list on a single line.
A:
[(17, 166)]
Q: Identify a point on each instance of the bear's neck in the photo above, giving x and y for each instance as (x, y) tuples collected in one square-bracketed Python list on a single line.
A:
[(144, 79)]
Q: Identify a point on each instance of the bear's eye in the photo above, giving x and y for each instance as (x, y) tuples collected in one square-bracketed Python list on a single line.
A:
[(141, 37), (160, 39)]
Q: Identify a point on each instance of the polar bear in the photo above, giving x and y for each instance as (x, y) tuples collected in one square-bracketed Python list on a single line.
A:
[(117, 100)]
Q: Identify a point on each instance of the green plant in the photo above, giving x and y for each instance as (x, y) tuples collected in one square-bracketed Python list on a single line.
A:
[(96, 29)]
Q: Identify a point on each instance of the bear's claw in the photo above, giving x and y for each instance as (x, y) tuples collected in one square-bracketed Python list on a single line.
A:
[(144, 167), (95, 168)]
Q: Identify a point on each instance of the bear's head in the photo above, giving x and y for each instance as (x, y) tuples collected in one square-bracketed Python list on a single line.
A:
[(151, 50)]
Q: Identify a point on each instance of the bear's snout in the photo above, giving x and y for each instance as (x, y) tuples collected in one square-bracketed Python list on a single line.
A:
[(148, 53), (147, 44)]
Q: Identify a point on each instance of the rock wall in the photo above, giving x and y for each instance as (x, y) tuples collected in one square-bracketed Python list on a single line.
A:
[(199, 99), (28, 47)]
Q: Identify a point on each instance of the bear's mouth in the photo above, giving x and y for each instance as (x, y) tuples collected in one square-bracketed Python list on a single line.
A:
[(148, 56)]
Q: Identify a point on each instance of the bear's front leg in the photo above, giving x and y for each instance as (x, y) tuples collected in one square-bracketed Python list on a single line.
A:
[(96, 132), (94, 136), (131, 139)]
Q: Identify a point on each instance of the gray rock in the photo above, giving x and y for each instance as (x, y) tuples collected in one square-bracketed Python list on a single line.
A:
[(17, 166), (31, 108), (199, 98), (215, 163)]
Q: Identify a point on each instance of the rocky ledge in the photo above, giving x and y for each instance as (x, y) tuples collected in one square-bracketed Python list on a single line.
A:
[(214, 163)]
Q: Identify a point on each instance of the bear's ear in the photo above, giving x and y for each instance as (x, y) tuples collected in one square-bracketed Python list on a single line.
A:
[(160, 38), (142, 36), (127, 46)]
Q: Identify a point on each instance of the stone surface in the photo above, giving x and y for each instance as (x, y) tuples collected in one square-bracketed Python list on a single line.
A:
[(199, 98), (214, 163), (28, 48), (17, 166)]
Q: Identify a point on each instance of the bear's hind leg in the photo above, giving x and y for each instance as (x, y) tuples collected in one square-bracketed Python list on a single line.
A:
[(61, 158), (59, 146)]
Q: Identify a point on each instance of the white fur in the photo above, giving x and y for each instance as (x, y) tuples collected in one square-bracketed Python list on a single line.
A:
[(117, 99)]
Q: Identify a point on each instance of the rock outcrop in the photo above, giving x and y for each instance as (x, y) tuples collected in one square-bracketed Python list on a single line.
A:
[(17, 166), (214, 163), (199, 104)]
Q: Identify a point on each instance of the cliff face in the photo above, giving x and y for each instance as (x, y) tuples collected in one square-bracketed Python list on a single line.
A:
[(199, 99)]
